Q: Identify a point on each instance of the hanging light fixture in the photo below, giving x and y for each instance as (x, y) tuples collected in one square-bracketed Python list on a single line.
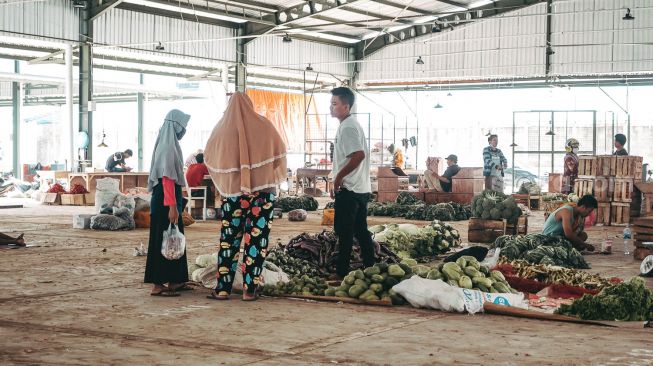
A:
[(309, 68), (436, 28), (513, 145), (489, 133), (438, 106), (628, 16), (159, 47), (550, 133), (102, 144), (419, 61), (287, 39)]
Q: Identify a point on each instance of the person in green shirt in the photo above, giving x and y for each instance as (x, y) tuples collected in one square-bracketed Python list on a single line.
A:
[(567, 221)]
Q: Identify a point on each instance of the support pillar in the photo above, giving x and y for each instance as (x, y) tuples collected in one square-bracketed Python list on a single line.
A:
[(140, 100), (68, 110), (86, 79), (241, 62), (16, 102)]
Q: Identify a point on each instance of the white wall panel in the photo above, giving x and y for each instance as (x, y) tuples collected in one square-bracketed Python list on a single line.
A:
[(272, 51), (142, 31), (52, 18)]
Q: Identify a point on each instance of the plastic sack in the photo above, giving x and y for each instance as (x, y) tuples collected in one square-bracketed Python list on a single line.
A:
[(105, 193), (124, 201), (492, 258), (107, 184), (174, 243), (328, 216), (297, 215), (436, 294), (646, 268)]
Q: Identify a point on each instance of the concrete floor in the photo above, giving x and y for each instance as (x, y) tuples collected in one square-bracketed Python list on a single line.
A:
[(79, 300)]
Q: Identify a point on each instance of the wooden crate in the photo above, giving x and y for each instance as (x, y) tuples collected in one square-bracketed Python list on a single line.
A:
[(89, 199), (432, 197), (603, 213), (642, 232), (72, 199), (520, 228), (629, 167), (51, 198), (467, 185), (387, 196), (623, 190), (620, 213), (584, 186), (555, 183), (388, 184), (470, 173), (485, 231), (587, 165), (606, 165), (604, 189), (646, 188)]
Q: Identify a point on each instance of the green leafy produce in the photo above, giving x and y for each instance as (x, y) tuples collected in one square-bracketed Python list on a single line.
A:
[(407, 199), (409, 241), (530, 188), (292, 266), (451, 211), (491, 205), (396, 271), (627, 301), (287, 204), (377, 285), (540, 249), (301, 285)]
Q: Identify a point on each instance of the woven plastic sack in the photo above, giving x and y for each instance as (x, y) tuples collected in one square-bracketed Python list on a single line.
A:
[(297, 215), (174, 243)]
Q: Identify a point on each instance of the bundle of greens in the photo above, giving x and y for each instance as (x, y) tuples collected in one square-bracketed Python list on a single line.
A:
[(491, 205), (287, 204), (530, 188), (627, 301), (451, 211), (407, 199), (293, 267), (540, 249)]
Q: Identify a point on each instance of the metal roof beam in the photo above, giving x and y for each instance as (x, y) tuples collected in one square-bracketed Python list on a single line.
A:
[(454, 3), (98, 11), (368, 47), (401, 6), (375, 15)]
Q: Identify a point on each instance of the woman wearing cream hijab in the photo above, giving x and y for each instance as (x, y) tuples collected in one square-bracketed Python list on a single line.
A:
[(246, 158)]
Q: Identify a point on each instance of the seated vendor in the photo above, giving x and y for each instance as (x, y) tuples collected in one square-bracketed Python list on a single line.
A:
[(196, 172), (567, 221), (116, 162), (442, 183)]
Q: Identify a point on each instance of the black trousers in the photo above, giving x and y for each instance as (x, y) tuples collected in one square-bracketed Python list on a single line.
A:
[(351, 221)]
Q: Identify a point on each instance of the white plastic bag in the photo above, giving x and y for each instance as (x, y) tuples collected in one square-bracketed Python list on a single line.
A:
[(436, 294), (492, 258), (106, 191), (174, 243)]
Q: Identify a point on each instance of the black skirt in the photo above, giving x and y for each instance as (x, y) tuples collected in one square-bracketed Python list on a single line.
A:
[(159, 270)]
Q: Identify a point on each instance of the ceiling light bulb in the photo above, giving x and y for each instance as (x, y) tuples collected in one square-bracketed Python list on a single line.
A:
[(419, 61)]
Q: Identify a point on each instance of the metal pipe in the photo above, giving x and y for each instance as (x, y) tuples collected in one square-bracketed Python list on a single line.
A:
[(140, 101), (17, 101)]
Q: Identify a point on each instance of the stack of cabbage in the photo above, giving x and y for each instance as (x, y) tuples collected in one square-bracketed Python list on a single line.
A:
[(293, 267), (467, 272), (373, 283), (201, 262), (540, 249), (305, 202), (301, 285), (410, 241), (491, 205)]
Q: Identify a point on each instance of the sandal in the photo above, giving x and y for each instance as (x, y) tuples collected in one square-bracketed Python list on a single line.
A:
[(182, 287), (250, 297), (165, 293), (214, 296)]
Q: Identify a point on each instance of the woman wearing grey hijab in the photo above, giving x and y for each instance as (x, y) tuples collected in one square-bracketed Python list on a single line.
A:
[(165, 182)]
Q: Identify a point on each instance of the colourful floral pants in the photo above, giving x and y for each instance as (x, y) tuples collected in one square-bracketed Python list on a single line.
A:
[(245, 220)]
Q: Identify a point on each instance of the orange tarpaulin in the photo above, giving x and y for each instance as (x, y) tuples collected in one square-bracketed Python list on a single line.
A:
[(286, 112)]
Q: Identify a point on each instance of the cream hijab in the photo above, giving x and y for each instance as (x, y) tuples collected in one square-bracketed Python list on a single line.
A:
[(245, 153)]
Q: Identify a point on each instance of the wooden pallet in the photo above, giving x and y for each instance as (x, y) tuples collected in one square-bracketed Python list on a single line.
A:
[(604, 189), (629, 167), (520, 228), (606, 165), (620, 213), (623, 189), (587, 165), (584, 186), (603, 213), (485, 231)]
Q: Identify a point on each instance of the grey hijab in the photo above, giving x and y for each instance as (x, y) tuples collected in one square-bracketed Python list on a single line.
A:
[(167, 159)]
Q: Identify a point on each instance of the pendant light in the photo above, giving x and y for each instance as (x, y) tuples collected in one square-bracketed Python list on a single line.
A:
[(102, 144)]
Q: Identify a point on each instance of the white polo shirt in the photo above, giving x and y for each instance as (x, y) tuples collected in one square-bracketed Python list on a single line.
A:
[(349, 139)]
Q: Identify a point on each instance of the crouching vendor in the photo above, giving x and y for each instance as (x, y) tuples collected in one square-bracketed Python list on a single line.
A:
[(568, 220)]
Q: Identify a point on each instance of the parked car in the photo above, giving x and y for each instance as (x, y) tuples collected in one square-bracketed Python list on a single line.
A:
[(521, 176)]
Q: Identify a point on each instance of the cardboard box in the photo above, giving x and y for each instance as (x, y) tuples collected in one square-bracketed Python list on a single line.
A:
[(89, 199), (51, 199), (72, 199), (82, 221)]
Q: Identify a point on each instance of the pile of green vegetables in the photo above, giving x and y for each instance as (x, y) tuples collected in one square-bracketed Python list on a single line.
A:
[(466, 272), (410, 241), (627, 301), (330, 205), (300, 285), (540, 249), (373, 283), (305, 202), (451, 211), (293, 267), (491, 205), (559, 197), (531, 188)]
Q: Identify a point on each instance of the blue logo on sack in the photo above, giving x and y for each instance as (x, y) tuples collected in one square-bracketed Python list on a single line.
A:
[(501, 301)]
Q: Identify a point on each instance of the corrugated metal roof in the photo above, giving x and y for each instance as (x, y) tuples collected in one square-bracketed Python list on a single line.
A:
[(57, 19)]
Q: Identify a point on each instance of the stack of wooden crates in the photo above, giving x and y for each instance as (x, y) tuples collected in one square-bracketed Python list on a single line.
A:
[(611, 179)]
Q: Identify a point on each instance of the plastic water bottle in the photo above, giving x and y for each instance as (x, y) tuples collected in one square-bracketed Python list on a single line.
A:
[(628, 241)]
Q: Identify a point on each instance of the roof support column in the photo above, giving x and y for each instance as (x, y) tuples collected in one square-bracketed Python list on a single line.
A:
[(17, 102), (549, 51), (86, 79), (140, 101), (241, 62), (68, 112)]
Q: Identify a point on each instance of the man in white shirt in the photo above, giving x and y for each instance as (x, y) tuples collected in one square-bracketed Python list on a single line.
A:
[(351, 183)]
